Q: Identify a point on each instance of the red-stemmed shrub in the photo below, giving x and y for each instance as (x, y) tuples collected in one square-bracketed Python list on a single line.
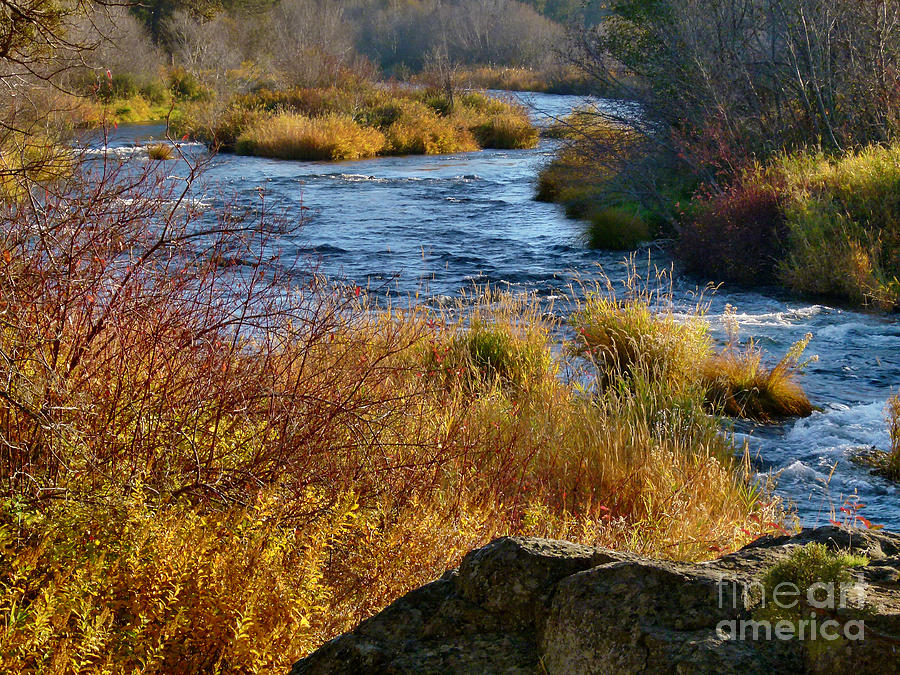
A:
[(734, 236)]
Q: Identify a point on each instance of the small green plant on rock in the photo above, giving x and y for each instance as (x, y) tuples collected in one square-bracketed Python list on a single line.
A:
[(812, 585)]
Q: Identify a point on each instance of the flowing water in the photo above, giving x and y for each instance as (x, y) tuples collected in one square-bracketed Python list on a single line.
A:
[(435, 225)]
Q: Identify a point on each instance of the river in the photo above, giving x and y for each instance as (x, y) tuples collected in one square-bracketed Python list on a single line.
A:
[(434, 225)]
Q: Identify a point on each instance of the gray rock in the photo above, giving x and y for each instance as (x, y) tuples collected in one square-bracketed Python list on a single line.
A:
[(524, 606)]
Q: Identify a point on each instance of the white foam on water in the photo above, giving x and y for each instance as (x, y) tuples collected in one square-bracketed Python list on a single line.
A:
[(797, 469), (196, 204), (790, 317), (842, 427)]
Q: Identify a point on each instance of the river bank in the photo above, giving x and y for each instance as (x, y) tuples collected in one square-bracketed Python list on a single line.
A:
[(430, 227)]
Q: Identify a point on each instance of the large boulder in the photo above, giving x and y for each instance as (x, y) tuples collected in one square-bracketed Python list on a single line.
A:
[(523, 605)]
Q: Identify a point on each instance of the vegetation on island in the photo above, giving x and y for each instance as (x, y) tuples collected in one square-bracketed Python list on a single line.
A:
[(768, 161), (357, 120), (149, 60)]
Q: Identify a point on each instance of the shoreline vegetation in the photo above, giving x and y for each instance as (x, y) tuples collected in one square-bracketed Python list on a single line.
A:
[(213, 460), (191, 484), (357, 120), (817, 224), (761, 170)]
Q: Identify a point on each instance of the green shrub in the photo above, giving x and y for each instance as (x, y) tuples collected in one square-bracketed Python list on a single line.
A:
[(185, 86), (802, 571), (616, 228)]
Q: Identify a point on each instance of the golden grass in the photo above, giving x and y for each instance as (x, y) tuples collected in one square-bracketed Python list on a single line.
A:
[(160, 151), (640, 333), (128, 581), (842, 215), (352, 123), (508, 131), (560, 80), (289, 136), (419, 130), (738, 383), (636, 332), (892, 465)]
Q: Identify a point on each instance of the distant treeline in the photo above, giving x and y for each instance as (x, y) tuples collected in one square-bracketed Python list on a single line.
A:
[(309, 41)]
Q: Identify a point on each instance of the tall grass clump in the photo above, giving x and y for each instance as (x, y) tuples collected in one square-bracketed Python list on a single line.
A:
[(738, 383), (160, 151), (413, 128), (616, 228), (333, 137), (637, 332), (892, 463), (496, 341), (342, 122), (507, 131)]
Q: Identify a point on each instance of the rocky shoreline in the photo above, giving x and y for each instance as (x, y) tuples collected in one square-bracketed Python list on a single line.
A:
[(523, 605)]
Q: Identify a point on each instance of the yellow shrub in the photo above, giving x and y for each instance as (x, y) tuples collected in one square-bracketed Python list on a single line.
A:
[(332, 137), (418, 130), (123, 588)]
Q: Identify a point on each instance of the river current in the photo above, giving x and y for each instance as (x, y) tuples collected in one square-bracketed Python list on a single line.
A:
[(436, 225)]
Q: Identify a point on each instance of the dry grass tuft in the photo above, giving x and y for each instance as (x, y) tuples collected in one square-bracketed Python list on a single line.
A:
[(160, 151), (332, 137)]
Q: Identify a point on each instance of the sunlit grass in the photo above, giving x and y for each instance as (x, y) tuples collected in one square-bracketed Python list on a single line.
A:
[(160, 151), (333, 137), (842, 215), (416, 129), (354, 123), (506, 131)]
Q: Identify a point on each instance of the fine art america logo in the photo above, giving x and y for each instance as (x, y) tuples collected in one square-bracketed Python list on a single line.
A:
[(789, 612)]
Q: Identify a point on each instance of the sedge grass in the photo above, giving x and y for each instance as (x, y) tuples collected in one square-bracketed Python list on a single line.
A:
[(160, 151), (333, 137)]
